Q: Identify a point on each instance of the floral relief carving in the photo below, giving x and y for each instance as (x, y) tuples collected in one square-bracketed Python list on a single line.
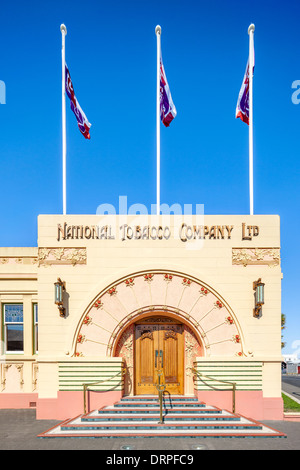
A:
[(6, 367), (98, 304), (87, 320), (20, 370), (256, 256), (19, 260), (80, 339), (4, 370), (59, 253), (35, 370), (43, 253), (208, 315), (236, 338), (54, 256), (112, 291), (125, 349), (147, 334), (171, 334), (192, 349)]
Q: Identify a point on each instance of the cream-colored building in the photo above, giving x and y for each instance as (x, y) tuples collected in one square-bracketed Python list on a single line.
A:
[(142, 295)]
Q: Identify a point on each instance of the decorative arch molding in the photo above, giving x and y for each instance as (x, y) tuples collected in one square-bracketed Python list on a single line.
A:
[(176, 294), (164, 312)]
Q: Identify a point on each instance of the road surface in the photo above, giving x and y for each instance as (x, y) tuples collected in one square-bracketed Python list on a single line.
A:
[(291, 385)]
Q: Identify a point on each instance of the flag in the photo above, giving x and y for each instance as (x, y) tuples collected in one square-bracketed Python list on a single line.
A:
[(242, 107), (83, 123), (167, 108)]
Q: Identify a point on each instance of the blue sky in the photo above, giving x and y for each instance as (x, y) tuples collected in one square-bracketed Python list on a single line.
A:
[(111, 54)]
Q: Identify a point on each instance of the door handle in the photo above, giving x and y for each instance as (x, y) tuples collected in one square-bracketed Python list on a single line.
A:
[(156, 354), (161, 354)]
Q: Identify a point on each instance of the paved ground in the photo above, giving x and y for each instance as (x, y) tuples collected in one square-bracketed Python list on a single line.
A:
[(19, 430)]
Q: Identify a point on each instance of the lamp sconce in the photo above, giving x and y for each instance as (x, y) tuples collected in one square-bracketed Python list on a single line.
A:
[(59, 288), (259, 288)]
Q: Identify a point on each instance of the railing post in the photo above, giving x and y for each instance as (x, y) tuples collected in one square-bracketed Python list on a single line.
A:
[(160, 404), (84, 397), (86, 385), (160, 388), (233, 397), (195, 372)]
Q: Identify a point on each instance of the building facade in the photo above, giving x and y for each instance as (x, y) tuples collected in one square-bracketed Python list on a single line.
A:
[(143, 298)]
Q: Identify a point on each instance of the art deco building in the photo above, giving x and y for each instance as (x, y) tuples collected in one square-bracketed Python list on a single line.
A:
[(100, 296)]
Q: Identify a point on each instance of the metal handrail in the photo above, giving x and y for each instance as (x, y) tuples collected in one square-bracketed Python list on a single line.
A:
[(86, 385), (218, 380), (161, 387)]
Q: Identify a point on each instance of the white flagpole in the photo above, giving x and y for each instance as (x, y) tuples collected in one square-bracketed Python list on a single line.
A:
[(63, 30), (158, 35), (251, 65)]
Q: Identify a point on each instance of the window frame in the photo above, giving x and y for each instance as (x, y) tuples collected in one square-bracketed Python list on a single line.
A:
[(35, 325), (5, 324)]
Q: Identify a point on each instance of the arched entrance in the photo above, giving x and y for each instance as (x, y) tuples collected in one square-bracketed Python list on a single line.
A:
[(158, 342), (195, 320)]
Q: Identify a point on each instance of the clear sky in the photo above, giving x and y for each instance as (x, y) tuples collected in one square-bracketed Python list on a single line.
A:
[(111, 54)]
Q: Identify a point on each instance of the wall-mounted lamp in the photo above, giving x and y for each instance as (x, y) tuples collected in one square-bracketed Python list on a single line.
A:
[(258, 287), (59, 288)]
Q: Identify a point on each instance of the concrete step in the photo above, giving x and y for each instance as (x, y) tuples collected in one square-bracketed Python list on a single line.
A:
[(155, 417), (65, 430), (140, 417), (156, 409), (155, 398), (132, 424), (166, 404)]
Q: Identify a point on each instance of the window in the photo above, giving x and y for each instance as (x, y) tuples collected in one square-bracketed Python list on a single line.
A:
[(13, 328), (35, 329)]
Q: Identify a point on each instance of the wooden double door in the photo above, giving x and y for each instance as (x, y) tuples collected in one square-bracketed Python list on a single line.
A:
[(158, 347)]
